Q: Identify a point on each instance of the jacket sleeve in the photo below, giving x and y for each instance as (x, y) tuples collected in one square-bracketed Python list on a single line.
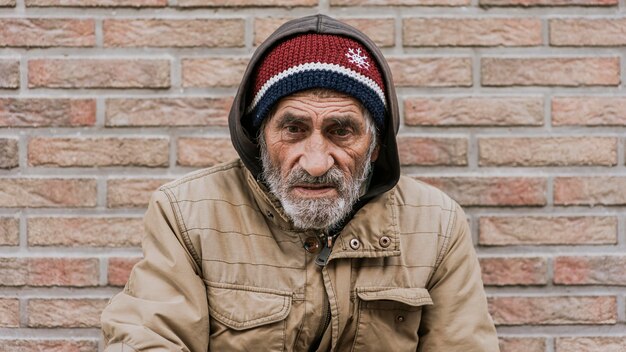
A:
[(163, 306), (459, 319)]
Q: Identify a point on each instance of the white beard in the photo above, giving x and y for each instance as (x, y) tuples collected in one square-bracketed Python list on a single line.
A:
[(317, 213)]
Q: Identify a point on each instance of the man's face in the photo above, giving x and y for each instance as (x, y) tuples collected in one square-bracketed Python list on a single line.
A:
[(316, 153)]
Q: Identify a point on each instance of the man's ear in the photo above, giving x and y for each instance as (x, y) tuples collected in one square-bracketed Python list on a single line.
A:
[(375, 153)]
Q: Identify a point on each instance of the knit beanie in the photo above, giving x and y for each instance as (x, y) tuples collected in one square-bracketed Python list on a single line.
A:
[(314, 60)]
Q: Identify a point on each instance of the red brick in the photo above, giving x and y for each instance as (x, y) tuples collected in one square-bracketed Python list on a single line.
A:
[(547, 151), (8, 153), (96, 3), (576, 71), (431, 72), (32, 345), (381, 30), (601, 190), (591, 344), (174, 33), (131, 193), (244, 3), (547, 230), (213, 72), (85, 231), (65, 313), (589, 111), (9, 231), (47, 192), (493, 191), (400, 2), (168, 112), (203, 152), (474, 111), (587, 32), (88, 152), (63, 272), (590, 270), (46, 32), (14, 271), (9, 74), (9, 313), (98, 73), (522, 344), (529, 3), (47, 112), (471, 32), (432, 151), (77, 272), (119, 270), (555, 310), (514, 271)]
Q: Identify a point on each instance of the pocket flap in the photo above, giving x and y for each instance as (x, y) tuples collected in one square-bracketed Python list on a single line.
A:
[(415, 297), (241, 307)]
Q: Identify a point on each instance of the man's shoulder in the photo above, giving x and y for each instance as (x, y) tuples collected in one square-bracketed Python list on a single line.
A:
[(416, 193), (213, 181)]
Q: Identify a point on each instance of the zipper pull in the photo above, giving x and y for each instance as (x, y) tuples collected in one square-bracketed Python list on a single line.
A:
[(322, 258)]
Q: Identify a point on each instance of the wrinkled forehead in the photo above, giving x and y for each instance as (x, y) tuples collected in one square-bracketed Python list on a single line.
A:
[(321, 97)]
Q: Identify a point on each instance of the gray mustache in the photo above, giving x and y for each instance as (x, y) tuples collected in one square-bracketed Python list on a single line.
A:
[(333, 177)]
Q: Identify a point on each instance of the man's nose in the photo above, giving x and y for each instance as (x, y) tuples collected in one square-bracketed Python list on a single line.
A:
[(316, 159)]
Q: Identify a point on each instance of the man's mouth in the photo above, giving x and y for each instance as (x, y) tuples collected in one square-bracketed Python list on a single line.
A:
[(314, 190)]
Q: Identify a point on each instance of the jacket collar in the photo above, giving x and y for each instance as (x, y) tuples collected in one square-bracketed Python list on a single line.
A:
[(373, 231)]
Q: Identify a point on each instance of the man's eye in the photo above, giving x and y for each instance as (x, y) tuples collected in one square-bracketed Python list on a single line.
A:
[(293, 129), (341, 132)]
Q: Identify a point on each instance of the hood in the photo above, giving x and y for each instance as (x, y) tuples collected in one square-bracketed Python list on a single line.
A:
[(386, 170)]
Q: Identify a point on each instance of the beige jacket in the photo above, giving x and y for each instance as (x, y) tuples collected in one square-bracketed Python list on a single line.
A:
[(224, 271)]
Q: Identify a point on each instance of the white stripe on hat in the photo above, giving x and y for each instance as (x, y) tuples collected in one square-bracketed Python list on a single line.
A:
[(313, 66)]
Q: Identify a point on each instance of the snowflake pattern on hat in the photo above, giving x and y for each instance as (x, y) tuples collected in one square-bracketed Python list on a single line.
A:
[(357, 58)]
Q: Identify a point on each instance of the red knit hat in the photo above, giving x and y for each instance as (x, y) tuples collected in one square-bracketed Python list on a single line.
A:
[(318, 61)]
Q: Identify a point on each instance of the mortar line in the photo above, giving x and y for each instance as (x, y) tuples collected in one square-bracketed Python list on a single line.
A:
[(23, 233), (550, 344), (545, 32), (99, 33), (248, 33), (104, 270)]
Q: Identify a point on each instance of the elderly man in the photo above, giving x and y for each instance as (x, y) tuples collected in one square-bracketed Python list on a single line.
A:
[(312, 241)]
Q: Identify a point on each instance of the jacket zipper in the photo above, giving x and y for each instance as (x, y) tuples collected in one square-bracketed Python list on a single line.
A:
[(321, 260), (319, 334)]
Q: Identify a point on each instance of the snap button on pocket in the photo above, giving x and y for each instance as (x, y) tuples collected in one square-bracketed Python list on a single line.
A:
[(355, 244), (400, 318), (384, 241), (312, 244)]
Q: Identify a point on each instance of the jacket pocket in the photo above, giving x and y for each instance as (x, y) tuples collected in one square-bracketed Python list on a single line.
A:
[(388, 318), (242, 318)]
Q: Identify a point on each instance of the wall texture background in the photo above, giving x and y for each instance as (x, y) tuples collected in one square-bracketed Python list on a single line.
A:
[(516, 108)]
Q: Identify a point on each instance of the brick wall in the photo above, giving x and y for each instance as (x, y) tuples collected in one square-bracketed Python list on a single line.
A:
[(514, 107)]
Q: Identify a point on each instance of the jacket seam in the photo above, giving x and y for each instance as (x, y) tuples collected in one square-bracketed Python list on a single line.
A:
[(240, 233), (124, 344), (202, 173), (256, 264), (182, 227), (398, 265), (446, 240), (358, 325), (218, 200), (239, 287)]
